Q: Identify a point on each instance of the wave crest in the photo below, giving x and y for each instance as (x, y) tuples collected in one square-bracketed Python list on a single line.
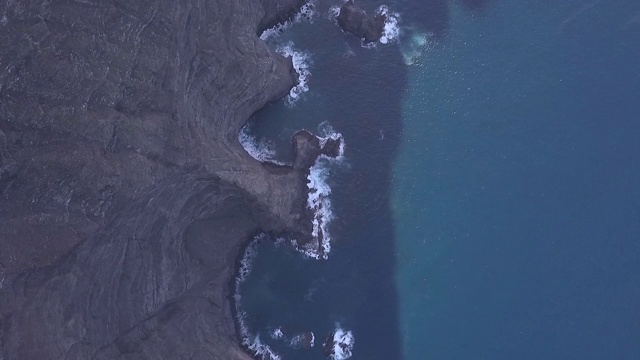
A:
[(260, 150), (307, 13), (318, 200), (250, 341), (391, 32), (301, 61)]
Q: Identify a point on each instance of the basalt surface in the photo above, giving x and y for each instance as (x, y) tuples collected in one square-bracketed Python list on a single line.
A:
[(125, 195), (354, 20)]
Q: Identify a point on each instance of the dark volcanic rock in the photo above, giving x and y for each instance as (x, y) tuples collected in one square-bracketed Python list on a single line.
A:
[(307, 147), (125, 194), (354, 20), (327, 345)]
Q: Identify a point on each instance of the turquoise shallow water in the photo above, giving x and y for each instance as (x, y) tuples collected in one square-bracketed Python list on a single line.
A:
[(517, 187), (488, 206)]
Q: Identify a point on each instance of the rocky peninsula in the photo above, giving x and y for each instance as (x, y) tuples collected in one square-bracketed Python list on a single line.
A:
[(125, 195)]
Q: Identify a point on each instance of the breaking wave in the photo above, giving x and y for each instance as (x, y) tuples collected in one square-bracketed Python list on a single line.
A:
[(342, 344), (306, 13), (414, 50), (302, 340), (251, 342), (301, 61), (334, 11), (391, 31), (260, 150), (277, 334), (318, 197)]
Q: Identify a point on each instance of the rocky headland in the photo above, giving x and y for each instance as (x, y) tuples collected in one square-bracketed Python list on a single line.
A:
[(125, 195)]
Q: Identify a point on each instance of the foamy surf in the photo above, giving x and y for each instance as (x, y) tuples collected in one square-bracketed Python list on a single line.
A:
[(318, 200), (301, 61), (259, 150), (261, 349), (251, 342), (277, 334), (306, 13), (340, 344), (414, 50), (334, 11), (302, 340), (391, 32)]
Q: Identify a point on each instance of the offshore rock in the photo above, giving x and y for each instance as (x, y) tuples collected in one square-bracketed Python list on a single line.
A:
[(125, 195), (307, 148), (354, 20), (278, 12)]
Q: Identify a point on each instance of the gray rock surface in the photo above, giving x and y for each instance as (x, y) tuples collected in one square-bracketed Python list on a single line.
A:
[(125, 196)]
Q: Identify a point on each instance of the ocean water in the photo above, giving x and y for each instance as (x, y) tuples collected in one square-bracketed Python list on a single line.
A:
[(488, 202)]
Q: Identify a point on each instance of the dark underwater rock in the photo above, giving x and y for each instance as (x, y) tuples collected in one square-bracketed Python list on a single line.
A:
[(354, 20), (125, 194)]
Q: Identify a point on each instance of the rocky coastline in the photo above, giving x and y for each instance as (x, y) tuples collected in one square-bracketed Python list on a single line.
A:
[(126, 196)]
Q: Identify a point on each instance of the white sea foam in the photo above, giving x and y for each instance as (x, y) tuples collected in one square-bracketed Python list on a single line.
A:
[(343, 342), (250, 253), (261, 349), (391, 31), (414, 50), (252, 342), (306, 13), (318, 201), (274, 31), (296, 341), (277, 334), (301, 61), (334, 11), (260, 150), (327, 132), (318, 197)]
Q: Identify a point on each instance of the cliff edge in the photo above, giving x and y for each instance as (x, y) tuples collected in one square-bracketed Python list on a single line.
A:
[(118, 151)]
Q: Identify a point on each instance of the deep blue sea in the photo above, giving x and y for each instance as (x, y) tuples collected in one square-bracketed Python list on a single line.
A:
[(488, 203)]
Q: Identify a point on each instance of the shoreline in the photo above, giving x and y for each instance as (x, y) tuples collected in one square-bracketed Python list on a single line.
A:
[(153, 168)]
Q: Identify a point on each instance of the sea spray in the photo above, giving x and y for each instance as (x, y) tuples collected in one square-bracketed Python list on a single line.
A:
[(301, 340), (307, 13), (318, 200), (334, 11), (250, 341), (260, 150), (391, 32), (301, 62), (277, 334), (340, 344), (414, 50)]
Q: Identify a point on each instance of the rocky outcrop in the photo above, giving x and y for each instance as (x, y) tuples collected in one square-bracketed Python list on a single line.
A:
[(354, 20), (308, 147), (124, 193)]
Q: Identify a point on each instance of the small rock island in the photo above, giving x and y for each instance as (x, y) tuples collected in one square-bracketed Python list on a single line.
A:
[(354, 20)]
